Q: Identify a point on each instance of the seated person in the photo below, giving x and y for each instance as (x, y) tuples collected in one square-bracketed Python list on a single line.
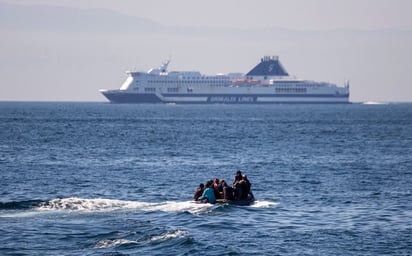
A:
[(208, 195), (198, 192), (216, 188), (238, 177), (245, 187), (228, 192)]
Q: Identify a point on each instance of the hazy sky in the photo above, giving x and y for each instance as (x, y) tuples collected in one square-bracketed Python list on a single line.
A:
[(67, 50)]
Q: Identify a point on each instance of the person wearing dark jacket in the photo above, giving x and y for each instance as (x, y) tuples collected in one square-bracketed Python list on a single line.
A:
[(238, 177), (198, 192), (228, 192), (245, 187)]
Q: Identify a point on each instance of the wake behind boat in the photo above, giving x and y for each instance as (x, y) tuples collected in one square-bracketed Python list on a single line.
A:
[(267, 82)]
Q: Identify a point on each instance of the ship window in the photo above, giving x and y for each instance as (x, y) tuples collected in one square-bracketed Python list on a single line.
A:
[(173, 89), (150, 89)]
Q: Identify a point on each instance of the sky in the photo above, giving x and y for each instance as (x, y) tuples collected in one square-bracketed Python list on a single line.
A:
[(67, 50)]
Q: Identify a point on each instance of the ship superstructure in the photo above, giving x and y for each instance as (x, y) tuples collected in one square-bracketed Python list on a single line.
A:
[(267, 82)]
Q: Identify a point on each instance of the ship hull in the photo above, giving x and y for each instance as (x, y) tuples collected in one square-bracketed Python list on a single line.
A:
[(118, 96)]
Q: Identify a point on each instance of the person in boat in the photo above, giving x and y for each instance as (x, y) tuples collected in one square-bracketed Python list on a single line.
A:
[(198, 192), (237, 188), (238, 177), (244, 187), (208, 195), (228, 192), (220, 187), (217, 187)]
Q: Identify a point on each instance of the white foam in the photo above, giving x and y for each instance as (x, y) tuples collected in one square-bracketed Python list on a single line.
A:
[(187, 206), (169, 235), (374, 103), (263, 204), (99, 204), (107, 243), (104, 205), (111, 243), (24, 214), (90, 205)]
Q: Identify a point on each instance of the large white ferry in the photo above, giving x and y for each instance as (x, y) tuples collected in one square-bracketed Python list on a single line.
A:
[(267, 82)]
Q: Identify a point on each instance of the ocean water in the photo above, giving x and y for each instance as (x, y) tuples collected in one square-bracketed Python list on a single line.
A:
[(105, 179)]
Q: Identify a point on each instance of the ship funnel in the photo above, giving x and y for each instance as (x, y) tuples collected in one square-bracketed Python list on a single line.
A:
[(268, 66)]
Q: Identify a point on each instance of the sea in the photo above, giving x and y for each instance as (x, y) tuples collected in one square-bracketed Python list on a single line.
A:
[(106, 179)]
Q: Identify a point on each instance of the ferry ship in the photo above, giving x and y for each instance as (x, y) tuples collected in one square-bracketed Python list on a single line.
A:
[(268, 82)]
